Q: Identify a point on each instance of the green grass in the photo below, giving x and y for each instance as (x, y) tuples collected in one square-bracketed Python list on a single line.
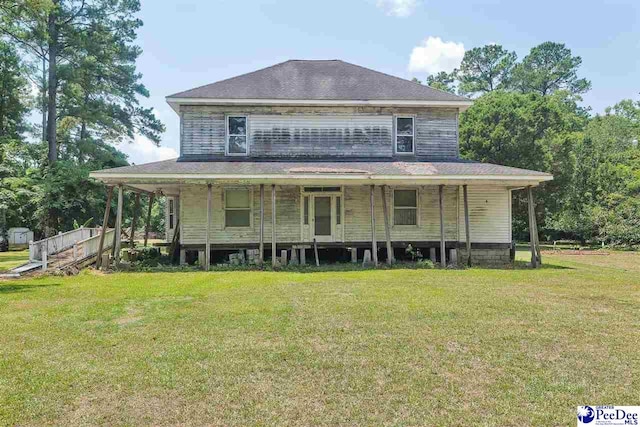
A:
[(394, 347), (13, 258)]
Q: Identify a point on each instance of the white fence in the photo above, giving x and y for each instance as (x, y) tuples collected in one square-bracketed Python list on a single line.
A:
[(59, 243), (89, 247)]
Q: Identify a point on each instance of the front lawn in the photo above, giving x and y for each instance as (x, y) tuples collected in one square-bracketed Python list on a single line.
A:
[(13, 258), (395, 347)]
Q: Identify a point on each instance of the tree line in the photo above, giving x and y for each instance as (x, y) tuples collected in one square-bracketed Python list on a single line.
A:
[(527, 114), (72, 63), (70, 93)]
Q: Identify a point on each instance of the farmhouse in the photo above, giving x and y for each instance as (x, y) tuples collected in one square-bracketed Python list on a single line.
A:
[(330, 153)]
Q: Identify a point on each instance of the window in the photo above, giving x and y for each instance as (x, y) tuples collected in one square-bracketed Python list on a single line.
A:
[(237, 207), (338, 211), (171, 214), (306, 210), (237, 136), (404, 135), (322, 189), (405, 207)]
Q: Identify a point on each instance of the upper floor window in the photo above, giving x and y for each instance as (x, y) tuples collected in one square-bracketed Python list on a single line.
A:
[(237, 144), (405, 135)]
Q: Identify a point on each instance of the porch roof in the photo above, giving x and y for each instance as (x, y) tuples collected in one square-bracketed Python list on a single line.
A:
[(355, 172)]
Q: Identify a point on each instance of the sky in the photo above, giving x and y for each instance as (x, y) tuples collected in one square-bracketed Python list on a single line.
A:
[(191, 43)]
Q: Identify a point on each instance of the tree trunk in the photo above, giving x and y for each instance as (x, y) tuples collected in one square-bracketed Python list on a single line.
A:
[(83, 136), (53, 84), (44, 99)]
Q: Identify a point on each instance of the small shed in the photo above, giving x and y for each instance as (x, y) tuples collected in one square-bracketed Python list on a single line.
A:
[(20, 236)]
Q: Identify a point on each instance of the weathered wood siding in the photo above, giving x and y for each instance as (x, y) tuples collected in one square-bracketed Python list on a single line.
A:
[(489, 214), (437, 133), (320, 136), (489, 207), (293, 132), (194, 211), (202, 133), (358, 215)]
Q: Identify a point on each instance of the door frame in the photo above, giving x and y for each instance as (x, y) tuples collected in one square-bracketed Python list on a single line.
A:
[(337, 230)]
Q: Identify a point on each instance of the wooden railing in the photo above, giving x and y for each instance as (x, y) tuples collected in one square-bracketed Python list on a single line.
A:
[(40, 250), (89, 247)]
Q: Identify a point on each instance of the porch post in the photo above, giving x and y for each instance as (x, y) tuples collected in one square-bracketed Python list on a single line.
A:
[(207, 240), (136, 207), (107, 211), (118, 230), (532, 231), (443, 250), (466, 223), (535, 228), (274, 258), (148, 225), (374, 242), (261, 223), (387, 231)]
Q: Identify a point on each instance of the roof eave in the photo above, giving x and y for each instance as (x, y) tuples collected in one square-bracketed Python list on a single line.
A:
[(354, 179), (176, 102)]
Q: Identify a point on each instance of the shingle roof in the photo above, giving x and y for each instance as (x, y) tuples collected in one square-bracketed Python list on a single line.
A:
[(318, 80), (235, 168)]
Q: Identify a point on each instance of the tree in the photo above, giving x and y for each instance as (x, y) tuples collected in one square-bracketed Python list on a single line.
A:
[(4, 230), (485, 69), (527, 131), (68, 33), (442, 81), (604, 197), (14, 94), (547, 68), (13, 109)]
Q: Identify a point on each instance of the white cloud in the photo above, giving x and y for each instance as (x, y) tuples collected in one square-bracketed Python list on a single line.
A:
[(143, 150), (434, 55), (400, 8)]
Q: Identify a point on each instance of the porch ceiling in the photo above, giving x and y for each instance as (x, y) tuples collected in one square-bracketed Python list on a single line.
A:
[(169, 174)]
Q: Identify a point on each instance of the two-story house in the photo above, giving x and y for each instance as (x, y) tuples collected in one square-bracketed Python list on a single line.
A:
[(330, 152)]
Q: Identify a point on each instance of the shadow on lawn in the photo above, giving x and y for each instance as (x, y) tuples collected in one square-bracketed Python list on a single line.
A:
[(523, 265), (14, 288), (334, 268), (11, 258)]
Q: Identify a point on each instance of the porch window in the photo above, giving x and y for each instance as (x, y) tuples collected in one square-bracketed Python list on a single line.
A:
[(322, 189), (237, 207), (306, 210), (171, 214), (237, 136), (338, 211), (404, 135), (405, 207)]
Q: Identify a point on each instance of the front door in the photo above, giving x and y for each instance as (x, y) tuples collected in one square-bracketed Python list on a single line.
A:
[(322, 218)]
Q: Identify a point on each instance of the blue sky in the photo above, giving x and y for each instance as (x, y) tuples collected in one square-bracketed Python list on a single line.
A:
[(191, 43)]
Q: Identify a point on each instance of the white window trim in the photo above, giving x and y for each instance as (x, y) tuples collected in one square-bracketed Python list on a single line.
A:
[(225, 209), (227, 135), (393, 207), (395, 136), (171, 209), (322, 193)]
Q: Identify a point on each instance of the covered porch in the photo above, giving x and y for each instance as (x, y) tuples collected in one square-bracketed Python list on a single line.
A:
[(452, 218)]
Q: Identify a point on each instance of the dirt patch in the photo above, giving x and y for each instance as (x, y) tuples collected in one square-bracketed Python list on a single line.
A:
[(133, 315), (576, 252)]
